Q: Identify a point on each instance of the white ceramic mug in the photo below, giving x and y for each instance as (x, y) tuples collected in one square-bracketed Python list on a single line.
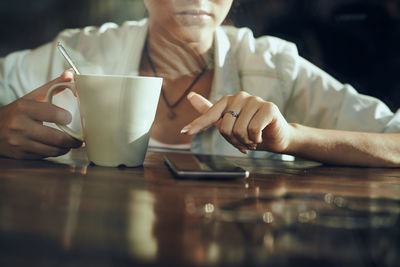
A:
[(117, 113)]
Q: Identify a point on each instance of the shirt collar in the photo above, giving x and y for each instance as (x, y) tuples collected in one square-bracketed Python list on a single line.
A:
[(226, 76)]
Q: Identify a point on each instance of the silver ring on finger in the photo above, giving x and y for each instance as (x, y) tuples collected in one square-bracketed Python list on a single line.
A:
[(233, 113)]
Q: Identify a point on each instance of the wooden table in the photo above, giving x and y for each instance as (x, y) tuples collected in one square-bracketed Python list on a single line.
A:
[(66, 212)]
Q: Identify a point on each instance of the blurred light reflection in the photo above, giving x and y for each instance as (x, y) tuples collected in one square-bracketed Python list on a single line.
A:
[(142, 243), (74, 200), (290, 209)]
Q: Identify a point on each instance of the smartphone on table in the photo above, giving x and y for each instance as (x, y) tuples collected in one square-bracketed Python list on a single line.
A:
[(198, 166)]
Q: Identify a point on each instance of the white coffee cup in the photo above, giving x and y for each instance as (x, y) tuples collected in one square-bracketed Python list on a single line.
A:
[(117, 113)]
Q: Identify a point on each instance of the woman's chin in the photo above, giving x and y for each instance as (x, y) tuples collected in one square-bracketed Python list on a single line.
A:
[(196, 37)]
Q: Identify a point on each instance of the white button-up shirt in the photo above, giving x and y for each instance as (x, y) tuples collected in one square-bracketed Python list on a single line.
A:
[(267, 67)]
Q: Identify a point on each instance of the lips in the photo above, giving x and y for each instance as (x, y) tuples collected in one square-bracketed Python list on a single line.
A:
[(194, 13), (194, 17)]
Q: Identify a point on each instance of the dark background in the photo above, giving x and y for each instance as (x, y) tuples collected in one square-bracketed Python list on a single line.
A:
[(357, 42)]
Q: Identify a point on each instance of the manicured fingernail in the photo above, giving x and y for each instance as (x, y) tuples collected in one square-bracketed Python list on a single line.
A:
[(189, 96), (185, 129), (68, 74)]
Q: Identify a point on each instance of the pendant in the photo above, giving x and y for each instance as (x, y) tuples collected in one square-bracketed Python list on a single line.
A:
[(171, 114)]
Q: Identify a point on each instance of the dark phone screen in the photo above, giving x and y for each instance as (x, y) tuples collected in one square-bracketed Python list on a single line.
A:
[(203, 166)]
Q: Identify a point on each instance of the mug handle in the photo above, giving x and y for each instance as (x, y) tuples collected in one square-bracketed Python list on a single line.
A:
[(49, 98)]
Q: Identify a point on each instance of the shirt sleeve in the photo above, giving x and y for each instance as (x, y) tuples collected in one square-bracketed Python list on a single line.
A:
[(318, 100), (23, 71)]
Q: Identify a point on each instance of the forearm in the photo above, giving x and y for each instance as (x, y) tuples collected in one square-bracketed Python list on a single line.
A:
[(345, 147)]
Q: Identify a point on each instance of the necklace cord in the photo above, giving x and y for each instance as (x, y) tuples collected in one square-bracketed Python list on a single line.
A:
[(187, 91)]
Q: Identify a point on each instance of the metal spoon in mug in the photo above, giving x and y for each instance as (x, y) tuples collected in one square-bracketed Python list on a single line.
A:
[(67, 57)]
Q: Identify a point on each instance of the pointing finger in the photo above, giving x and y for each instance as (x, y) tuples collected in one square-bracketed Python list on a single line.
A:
[(200, 103), (210, 117)]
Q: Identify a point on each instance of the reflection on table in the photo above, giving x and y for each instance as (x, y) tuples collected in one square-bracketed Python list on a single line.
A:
[(66, 212)]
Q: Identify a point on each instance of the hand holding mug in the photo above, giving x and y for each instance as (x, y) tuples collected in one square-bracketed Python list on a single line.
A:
[(22, 133), (117, 113)]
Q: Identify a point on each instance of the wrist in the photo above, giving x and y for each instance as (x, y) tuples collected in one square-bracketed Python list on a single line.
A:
[(294, 140)]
